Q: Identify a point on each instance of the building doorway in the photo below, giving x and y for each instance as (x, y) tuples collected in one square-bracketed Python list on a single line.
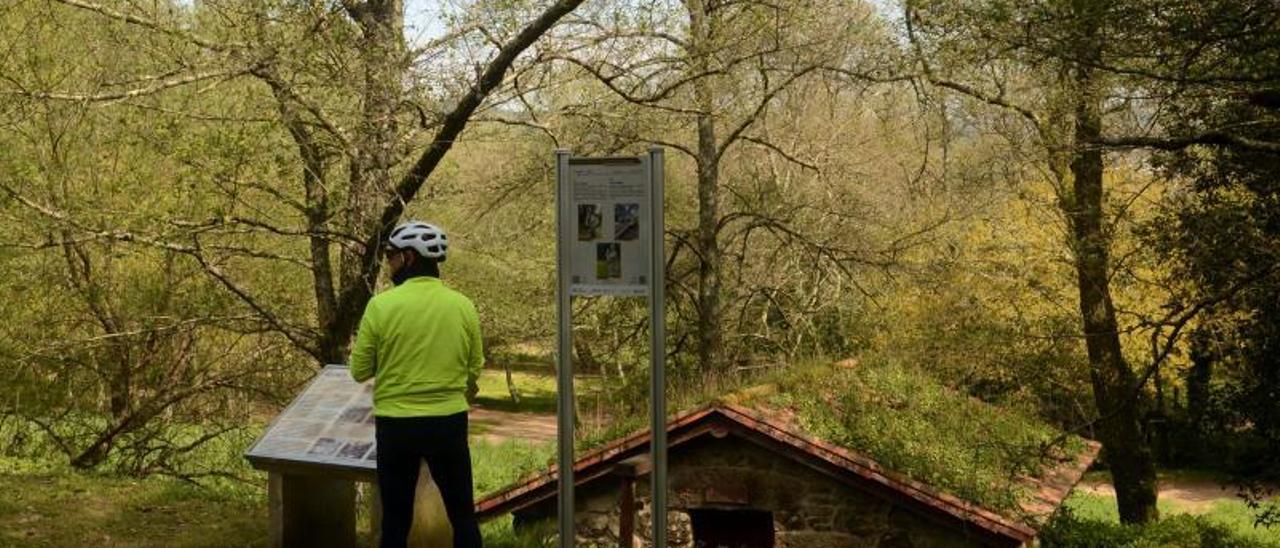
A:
[(731, 528)]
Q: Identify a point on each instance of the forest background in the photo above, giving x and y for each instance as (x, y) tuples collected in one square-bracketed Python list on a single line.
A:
[(1065, 207)]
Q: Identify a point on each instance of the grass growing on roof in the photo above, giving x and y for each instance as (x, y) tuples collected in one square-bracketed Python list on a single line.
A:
[(909, 422)]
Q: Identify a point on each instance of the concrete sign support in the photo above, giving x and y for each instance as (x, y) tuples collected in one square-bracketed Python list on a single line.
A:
[(609, 214), (314, 452)]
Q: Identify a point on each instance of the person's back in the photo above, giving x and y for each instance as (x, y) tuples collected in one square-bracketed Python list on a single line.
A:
[(424, 351), (420, 342)]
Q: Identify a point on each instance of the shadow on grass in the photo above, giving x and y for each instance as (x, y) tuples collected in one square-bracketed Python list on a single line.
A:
[(76, 509), (540, 403)]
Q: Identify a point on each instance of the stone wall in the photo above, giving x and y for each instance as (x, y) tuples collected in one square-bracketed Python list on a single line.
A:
[(809, 509)]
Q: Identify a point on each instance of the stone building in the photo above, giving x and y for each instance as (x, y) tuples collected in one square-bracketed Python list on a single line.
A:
[(741, 478)]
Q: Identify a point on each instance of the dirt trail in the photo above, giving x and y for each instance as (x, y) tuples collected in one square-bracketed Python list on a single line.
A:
[(499, 426), (1194, 496)]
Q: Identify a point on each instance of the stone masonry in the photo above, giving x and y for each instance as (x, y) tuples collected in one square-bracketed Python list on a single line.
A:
[(809, 509)]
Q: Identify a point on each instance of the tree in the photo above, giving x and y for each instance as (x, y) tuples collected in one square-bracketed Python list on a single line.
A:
[(726, 72), (303, 53), (229, 85), (115, 347), (1220, 238), (1131, 60), (1067, 126)]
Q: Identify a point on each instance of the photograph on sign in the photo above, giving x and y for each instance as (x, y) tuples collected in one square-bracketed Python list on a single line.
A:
[(589, 220), (330, 422), (626, 221), (608, 199)]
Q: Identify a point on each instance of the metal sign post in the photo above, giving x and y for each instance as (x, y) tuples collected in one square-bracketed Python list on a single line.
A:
[(657, 354), (609, 231), (564, 347)]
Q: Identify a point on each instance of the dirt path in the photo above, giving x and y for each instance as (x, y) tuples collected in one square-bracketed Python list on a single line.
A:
[(1194, 496), (499, 426)]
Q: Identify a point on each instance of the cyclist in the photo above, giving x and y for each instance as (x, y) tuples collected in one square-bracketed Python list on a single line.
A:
[(420, 342)]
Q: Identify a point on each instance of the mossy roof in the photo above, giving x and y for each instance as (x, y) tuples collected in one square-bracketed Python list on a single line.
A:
[(889, 427)]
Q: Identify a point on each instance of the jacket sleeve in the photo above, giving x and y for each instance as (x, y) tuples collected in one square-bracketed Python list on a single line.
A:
[(364, 354), (475, 359)]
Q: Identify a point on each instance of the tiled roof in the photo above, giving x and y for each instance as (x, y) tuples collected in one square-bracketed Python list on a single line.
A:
[(776, 431)]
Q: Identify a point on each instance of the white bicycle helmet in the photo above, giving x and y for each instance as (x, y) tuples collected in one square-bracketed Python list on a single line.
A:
[(427, 239)]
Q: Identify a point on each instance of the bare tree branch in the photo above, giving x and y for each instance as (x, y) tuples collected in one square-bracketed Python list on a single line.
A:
[(222, 75), (195, 251), (1217, 138), (786, 156), (298, 340), (284, 92), (759, 110), (994, 100), (150, 24), (354, 295), (650, 100)]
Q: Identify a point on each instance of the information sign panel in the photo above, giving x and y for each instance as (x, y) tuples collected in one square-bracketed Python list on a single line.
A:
[(609, 252), (609, 226), (329, 423)]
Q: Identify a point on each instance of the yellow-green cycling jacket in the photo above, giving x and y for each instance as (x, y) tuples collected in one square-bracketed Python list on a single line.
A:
[(420, 341)]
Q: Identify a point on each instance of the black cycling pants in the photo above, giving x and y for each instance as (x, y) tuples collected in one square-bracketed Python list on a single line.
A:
[(403, 443)]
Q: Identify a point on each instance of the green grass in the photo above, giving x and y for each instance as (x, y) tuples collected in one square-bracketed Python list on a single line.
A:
[(537, 390), (910, 423), (497, 465), (1228, 513), (1102, 508), (498, 533), (47, 505)]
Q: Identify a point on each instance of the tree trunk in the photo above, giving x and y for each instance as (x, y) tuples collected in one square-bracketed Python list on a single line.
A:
[(120, 382), (710, 314), (375, 200), (1115, 387), (314, 173), (1202, 357), (511, 383), (382, 54)]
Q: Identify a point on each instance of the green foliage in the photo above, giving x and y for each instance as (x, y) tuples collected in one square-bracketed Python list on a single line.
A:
[(1199, 493), (1068, 530), (902, 418), (1221, 237)]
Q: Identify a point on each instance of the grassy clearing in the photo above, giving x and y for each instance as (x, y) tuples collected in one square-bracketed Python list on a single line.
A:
[(1229, 513), (1174, 531), (47, 505), (1223, 510), (537, 390), (50, 504)]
